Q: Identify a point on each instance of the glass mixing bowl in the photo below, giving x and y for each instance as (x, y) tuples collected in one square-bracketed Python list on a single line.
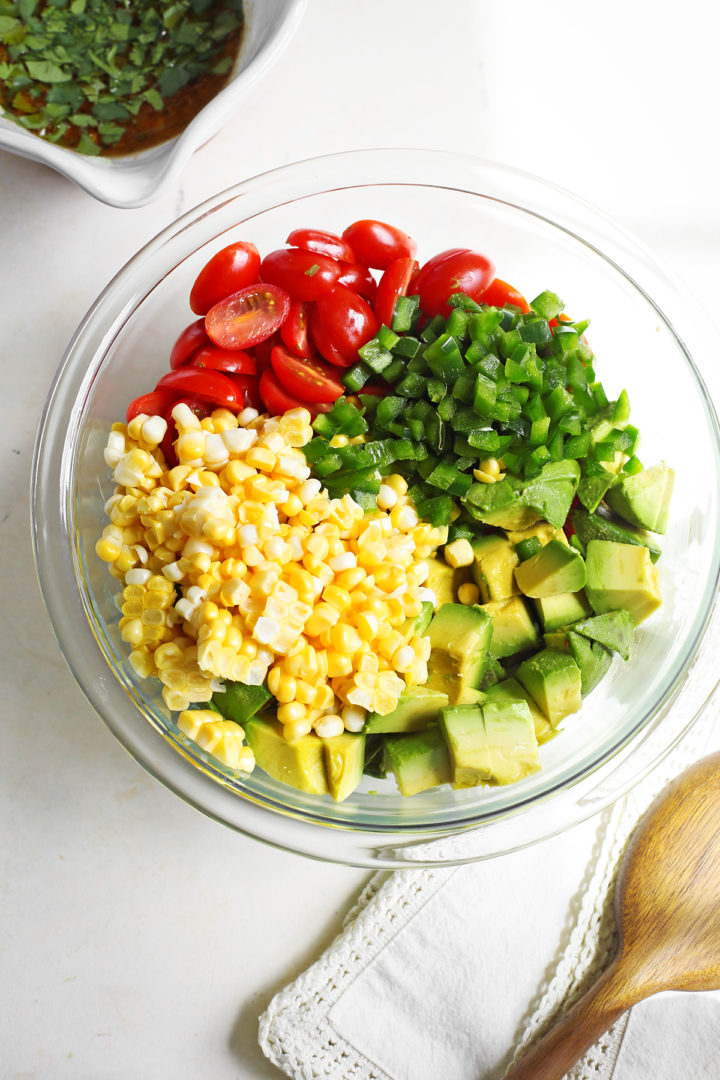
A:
[(647, 337)]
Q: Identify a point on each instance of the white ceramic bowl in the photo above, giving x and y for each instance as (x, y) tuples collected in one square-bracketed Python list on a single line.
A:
[(139, 178)]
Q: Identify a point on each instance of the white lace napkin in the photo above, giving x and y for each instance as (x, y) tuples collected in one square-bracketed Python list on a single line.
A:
[(442, 974)]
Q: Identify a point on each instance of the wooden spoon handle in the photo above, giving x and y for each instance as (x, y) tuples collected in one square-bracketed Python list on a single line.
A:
[(582, 1025)]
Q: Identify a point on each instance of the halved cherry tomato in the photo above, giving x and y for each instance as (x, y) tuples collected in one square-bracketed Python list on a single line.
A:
[(231, 269), (359, 279), (210, 386), (325, 243), (305, 275), (248, 316), (278, 401), (263, 350), (343, 320), (201, 410), (377, 244), (468, 272), (310, 379), (190, 340), (247, 386), (430, 265), (156, 403), (393, 283), (499, 293), (294, 331), (231, 361)]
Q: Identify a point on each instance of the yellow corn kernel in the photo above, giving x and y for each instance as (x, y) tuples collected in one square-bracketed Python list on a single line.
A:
[(292, 505), (468, 593), (345, 639), (261, 458), (291, 712), (337, 598), (459, 553), (298, 728), (351, 578), (338, 664)]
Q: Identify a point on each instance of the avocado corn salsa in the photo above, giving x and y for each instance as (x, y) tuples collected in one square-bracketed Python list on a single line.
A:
[(420, 578)]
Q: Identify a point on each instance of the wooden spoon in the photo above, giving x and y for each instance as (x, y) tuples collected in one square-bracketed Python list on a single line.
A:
[(667, 908)]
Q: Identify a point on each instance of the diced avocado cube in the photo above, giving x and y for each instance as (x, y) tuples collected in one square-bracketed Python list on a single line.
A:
[(513, 629), (419, 760), (553, 679), (344, 760), (444, 580), (468, 695), (510, 733), (492, 672), (592, 658), (239, 702), (417, 626), (459, 638), (557, 568), (300, 763), (557, 611), (464, 732), (621, 576), (541, 530), (603, 526), (417, 707), (493, 568), (512, 690), (495, 744), (615, 630), (643, 498)]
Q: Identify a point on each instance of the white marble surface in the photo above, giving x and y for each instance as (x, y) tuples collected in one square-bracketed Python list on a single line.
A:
[(138, 938)]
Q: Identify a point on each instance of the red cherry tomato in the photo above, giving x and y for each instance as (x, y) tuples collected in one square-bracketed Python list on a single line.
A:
[(247, 386), (294, 331), (468, 272), (304, 274), (499, 293), (309, 379), (191, 339), (229, 270), (377, 244), (430, 265), (211, 386), (325, 243), (346, 321), (263, 350), (278, 401), (201, 410), (359, 279), (248, 316), (231, 361), (393, 283), (323, 344), (156, 403)]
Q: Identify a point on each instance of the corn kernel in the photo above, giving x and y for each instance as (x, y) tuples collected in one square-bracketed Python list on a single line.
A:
[(468, 593), (459, 553)]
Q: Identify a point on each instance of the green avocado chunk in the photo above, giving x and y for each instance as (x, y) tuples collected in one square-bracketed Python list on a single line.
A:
[(344, 759), (557, 611), (445, 580), (557, 568), (603, 526), (621, 576), (493, 744), (459, 638), (592, 658), (553, 679), (417, 707), (419, 760), (300, 763), (492, 672), (239, 702), (512, 690), (493, 568), (614, 629), (643, 498), (513, 629)]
